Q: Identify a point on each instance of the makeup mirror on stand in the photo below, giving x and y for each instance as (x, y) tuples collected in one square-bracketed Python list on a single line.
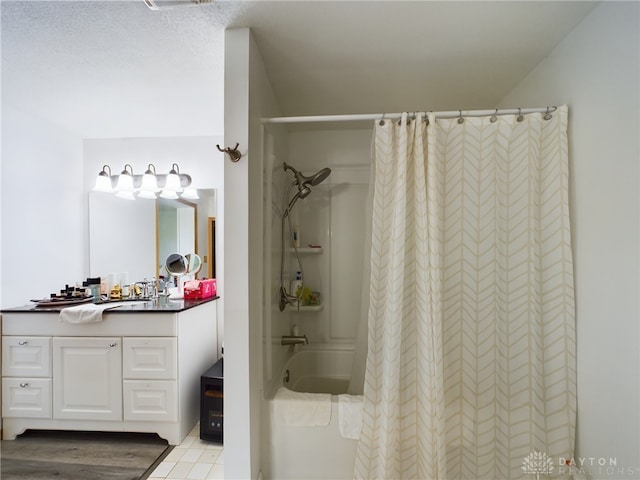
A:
[(178, 266), (194, 264)]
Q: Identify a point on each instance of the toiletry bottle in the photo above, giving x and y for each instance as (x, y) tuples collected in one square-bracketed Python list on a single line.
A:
[(125, 285), (296, 285), (112, 281), (94, 286)]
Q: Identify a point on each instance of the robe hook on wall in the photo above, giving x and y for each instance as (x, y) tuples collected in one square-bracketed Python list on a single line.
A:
[(234, 153)]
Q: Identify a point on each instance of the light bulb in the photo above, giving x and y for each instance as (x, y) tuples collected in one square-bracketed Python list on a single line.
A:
[(173, 179), (147, 194), (125, 180), (170, 194), (190, 194), (103, 182), (173, 183), (149, 185)]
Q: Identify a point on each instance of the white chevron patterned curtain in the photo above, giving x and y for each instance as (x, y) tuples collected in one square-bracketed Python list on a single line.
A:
[(471, 355)]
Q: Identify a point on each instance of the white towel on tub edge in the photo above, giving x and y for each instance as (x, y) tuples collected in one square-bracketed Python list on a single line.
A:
[(299, 409), (350, 415)]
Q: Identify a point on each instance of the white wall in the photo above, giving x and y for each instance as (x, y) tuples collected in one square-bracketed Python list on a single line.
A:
[(248, 97), (43, 208), (332, 215), (595, 71)]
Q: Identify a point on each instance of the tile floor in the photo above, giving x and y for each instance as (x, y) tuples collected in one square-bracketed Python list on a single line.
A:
[(193, 459)]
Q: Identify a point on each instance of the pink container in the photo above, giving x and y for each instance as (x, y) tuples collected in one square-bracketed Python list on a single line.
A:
[(199, 289)]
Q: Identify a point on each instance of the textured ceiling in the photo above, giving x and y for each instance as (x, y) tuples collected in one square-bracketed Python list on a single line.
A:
[(117, 69)]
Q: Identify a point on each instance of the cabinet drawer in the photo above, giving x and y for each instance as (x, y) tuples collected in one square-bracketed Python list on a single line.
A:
[(154, 400), (150, 358), (26, 397), (26, 356)]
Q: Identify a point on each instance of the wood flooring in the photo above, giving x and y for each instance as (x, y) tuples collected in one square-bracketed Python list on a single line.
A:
[(44, 455)]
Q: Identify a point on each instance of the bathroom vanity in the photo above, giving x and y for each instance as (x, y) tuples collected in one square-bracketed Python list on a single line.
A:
[(137, 370)]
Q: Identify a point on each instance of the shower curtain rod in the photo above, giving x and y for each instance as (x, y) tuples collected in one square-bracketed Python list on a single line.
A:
[(393, 116)]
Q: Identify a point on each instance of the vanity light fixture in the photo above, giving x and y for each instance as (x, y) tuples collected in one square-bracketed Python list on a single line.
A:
[(169, 194), (190, 194), (149, 187), (128, 185), (103, 182), (173, 180), (124, 185)]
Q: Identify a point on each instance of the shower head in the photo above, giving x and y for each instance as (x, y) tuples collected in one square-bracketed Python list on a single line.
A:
[(318, 177), (304, 182)]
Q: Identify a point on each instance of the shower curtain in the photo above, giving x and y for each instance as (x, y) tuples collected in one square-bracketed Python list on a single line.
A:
[(470, 368)]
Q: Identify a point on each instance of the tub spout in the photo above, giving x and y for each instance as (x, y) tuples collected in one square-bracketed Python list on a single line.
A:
[(294, 340)]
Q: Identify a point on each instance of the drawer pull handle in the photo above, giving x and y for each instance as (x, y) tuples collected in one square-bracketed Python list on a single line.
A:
[(24, 385), (22, 342), (113, 344)]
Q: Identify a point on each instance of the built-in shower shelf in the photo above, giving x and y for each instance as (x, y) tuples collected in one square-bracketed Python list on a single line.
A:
[(306, 308), (306, 250)]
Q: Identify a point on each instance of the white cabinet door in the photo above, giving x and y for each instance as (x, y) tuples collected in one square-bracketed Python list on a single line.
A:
[(150, 358), (26, 356), (87, 375), (26, 397)]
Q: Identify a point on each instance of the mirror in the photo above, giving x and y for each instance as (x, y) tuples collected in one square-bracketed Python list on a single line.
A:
[(126, 236), (176, 229), (178, 265), (194, 264)]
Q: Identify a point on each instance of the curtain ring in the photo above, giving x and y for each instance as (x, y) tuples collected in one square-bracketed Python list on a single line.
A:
[(460, 119), (547, 115), (494, 117), (520, 116), (381, 122)]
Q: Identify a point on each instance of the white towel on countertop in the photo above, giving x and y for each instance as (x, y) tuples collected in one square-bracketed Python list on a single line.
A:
[(298, 409), (350, 415), (86, 313)]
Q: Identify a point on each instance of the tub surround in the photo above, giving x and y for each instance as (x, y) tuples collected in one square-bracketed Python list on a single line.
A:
[(137, 370)]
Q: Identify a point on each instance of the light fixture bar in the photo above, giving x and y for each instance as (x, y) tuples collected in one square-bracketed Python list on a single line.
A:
[(147, 185)]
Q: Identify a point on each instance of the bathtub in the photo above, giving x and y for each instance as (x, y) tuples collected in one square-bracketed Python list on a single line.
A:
[(318, 452)]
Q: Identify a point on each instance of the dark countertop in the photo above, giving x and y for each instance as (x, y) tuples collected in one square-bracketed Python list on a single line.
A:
[(129, 306)]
